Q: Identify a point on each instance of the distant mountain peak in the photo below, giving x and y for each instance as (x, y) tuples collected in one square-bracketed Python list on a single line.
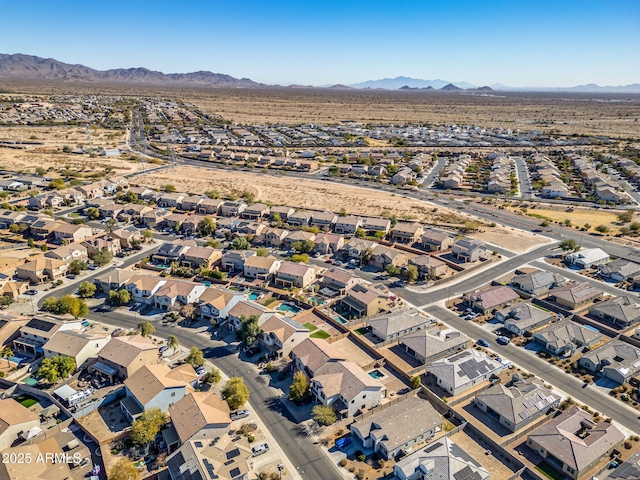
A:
[(450, 87), (30, 67)]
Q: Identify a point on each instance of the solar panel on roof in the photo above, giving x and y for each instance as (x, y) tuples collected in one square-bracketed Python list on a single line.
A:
[(42, 325), (432, 447), (234, 472), (457, 357), (524, 414), (3, 323), (209, 467), (198, 444), (233, 453)]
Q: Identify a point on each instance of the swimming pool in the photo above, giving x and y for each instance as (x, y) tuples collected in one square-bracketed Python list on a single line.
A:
[(318, 300), (254, 296), (285, 307), (339, 319), (376, 374)]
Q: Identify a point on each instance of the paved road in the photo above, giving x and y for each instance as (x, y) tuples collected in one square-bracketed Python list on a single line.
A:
[(310, 461)]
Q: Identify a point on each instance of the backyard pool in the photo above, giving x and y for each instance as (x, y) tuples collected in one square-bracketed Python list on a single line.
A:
[(376, 374), (317, 300), (339, 319), (254, 296), (285, 307)]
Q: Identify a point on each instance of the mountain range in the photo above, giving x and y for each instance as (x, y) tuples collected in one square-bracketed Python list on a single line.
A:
[(29, 67)]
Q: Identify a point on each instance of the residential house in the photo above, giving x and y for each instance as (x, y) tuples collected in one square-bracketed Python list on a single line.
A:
[(299, 218), (191, 202), (518, 403), (127, 236), (174, 293), (346, 387), (114, 279), (398, 323), (564, 337), (69, 253), (440, 460), (337, 281), (382, 257), (44, 228), (464, 370), (280, 334), (210, 206), (45, 200), (72, 233), (95, 245), (435, 240), (575, 295), (587, 258), (155, 386), (261, 268), (123, 356), (170, 200), (283, 212), (274, 237), (291, 274), (39, 330), (77, 344), (143, 287), (328, 243), (191, 224), (172, 252), (256, 211), (232, 209), (429, 267), (144, 193), (348, 225), (15, 420), (469, 250), (619, 270), (42, 269), (233, 260), (155, 217), (573, 442), (616, 360), (492, 298), (298, 236), (357, 246), (174, 220), (537, 283), (394, 429), (432, 344), (202, 257), (311, 354), (246, 309), (365, 300), (373, 225), (215, 302), (407, 233), (199, 416), (621, 312), (110, 210), (523, 317), (324, 220)]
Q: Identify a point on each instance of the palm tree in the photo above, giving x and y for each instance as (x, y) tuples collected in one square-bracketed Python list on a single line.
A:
[(172, 342), (6, 352), (366, 255)]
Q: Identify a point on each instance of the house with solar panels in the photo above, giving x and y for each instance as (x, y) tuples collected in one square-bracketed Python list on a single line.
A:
[(518, 403), (39, 330), (537, 282), (463, 371)]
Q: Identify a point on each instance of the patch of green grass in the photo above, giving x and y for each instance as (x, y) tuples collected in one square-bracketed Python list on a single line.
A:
[(320, 334), (549, 472), (74, 214), (310, 326), (26, 401)]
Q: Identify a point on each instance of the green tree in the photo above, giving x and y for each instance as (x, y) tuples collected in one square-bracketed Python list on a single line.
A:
[(213, 376), (103, 257), (148, 235), (602, 229), (343, 212), (93, 213), (361, 232), (14, 228), (415, 381), (66, 304), (213, 243), (57, 184), (44, 247), (323, 415), (365, 256), (146, 328), (411, 273), (249, 329), (56, 367), (169, 188), (303, 247), (172, 343), (299, 389), (262, 252), (195, 357), (635, 226), (207, 226), (235, 392), (380, 234), (77, 266), (6, 352), (213, 194), (276, 218), (626, 216), (300, 258), (31, 243), (145, 428), (392, 270), (110, 224), (86, 290), (240, 243), (470, 226), (569, 245), (124, 469)]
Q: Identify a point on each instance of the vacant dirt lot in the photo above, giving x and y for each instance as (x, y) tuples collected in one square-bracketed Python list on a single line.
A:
[(581, 216), (59, 136)]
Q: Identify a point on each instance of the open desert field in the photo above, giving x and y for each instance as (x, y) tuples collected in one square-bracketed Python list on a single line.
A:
[(59, 136), (320, 195)]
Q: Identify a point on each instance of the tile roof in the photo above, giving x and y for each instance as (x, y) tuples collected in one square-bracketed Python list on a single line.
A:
[(148, 381), (195, 411), (398, 320), (431, 342), (343, 378), (313, 353), (124, 350)]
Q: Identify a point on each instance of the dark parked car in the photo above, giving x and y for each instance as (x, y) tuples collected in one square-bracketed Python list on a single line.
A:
[(482, 342), (343, 442), (31, 292)]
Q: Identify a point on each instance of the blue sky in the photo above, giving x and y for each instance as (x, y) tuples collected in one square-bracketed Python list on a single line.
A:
[(517, 43)]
